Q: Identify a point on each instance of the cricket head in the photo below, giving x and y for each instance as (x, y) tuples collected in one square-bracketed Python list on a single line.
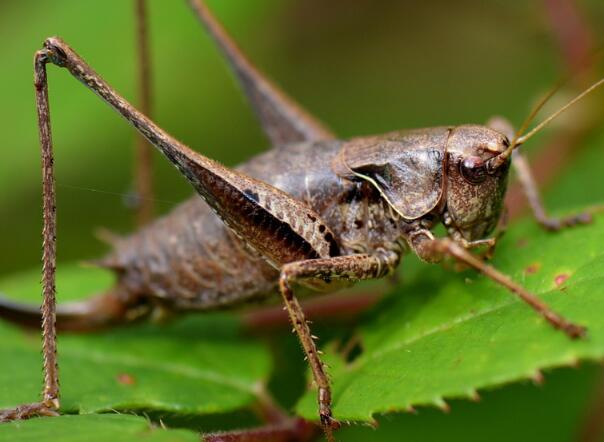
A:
[(479, 161), (433, 170), (475, 190), (461, 171)]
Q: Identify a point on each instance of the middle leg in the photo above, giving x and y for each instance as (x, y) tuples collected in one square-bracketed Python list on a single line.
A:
[(350, 268)]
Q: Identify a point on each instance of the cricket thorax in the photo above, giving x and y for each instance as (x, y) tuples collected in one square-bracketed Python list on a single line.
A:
[(366, 222), (357, 214)]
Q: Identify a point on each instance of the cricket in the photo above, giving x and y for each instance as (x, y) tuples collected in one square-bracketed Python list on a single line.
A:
[(314, 213)]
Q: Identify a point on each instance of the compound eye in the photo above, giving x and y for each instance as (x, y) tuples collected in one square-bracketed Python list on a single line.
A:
[(473, 170)]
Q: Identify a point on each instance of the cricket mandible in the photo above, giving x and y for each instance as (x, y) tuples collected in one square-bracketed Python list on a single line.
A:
[(313, 213)]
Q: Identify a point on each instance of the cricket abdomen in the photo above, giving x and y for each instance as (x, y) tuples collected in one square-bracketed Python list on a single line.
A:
[(189, 259)]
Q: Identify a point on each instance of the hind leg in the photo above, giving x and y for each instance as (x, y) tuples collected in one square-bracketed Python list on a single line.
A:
[(282, 119), (49, 405)]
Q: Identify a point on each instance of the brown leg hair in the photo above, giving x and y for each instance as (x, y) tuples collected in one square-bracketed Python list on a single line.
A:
[(49, 405), (433, 250), (353, 267), (203, 174), (529, 187)]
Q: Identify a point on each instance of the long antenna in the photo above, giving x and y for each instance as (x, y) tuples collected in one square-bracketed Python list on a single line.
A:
[(537, 108), (519, 139), (549, 119)]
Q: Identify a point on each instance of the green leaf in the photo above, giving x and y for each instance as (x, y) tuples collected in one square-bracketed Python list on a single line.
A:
[(198, 364), (92, 428), (523, 412), (445, 336)]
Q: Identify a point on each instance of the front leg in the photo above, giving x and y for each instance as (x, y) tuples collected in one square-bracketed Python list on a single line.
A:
[(351, 268), (488, 244), (529, 185), (431, 249)]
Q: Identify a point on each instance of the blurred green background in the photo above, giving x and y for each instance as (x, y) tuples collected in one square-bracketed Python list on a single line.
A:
[(362, 66)]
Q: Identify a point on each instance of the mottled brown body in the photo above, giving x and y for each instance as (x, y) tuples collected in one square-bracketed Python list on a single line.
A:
[(189, 259)]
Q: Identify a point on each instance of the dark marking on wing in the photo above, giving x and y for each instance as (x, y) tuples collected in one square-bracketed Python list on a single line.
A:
[(241, 210), (252, 195)]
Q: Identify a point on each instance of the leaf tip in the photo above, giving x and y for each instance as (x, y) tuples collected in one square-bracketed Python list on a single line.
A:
[(538, 378), (440, 403), (473, 395)]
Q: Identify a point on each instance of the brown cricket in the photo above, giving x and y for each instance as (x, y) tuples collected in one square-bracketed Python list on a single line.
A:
[(314, 212)]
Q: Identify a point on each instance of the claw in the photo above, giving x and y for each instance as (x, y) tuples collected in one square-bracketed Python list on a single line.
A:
[(329, 425), (556, 224), (27, 411)]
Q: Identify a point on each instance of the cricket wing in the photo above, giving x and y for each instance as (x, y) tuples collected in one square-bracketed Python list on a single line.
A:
[(280, 227)]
